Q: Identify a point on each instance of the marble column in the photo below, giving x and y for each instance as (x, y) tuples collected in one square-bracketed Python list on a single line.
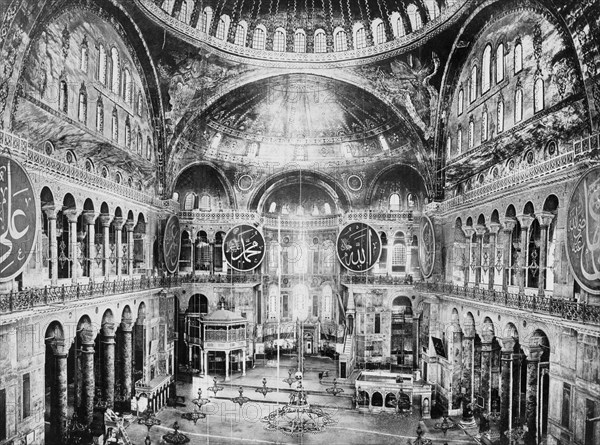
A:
[(467, 361), (494, 228), (58, 393), (205, 360), (469, 231), (525, 221), (129, 226), (545, 219), (480, 229), (415, 341), (193, 254), (127, 358), (72, 216), (509, 226), (89, 219), (243, 362), (211, 254), (52, 243), (506, 382), (533, 361), (88, 382), (227, 378), (118, 223), (108, 364), (486, 373), (105, 220)]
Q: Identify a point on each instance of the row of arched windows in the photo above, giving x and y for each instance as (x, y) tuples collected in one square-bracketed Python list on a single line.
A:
[(400, 26), (117, 79)]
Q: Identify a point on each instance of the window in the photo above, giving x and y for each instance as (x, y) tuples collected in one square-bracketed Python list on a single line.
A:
[(82, 111), (139, 143), (206, 19), (459, 140), (99, 116), (377, 323), (360, 37), (205, 202), (240, 33), (379, 34), (484, 125), (414, 16), (126, 89), (471, 133), (395, 202), (115, 126), (26, 395), (279, 40), (486, 69), (448, 146), (518, 105), (258, 39), (186, 11), (148, 149), (300, 42), (399, 254), (500, 63), (566, 406), (500, 116), (139, 104), (518, 56), (538, 94), (339, 41), (273, 207), (102, 65), (461, 101), (399, 29), (284, 306), (433, 9), (116, 70), (167, 5), (127, 133), (189, 201), (320, 41), (327, 208), (63, 97), (315, 306), (473, 84), (83, 63), (223, 27)]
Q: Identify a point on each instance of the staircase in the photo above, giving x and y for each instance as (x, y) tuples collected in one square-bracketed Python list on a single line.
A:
[(347, 354)]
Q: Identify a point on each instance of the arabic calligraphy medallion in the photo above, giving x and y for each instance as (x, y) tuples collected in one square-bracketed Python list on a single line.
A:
[(244, 247), (172, 243), (18, 219), (427, 247), (358, 247), (583, 231)]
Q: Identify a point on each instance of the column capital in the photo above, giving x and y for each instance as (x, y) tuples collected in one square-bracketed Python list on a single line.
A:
[(87, 336), (58, 347), (129, 226), (509, 224), (533, 353), (105, 219), (89, 217), (544, 218), (468, 331), (468, 231), (108, 329), (118, 222), (480, 229), (508, 344), (494, 228), (72, 214), (50, 210), (525, 221), (486, 346), (127, 325)]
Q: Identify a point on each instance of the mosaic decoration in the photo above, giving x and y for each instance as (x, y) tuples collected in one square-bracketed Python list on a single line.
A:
[(427, 247), (172, 243), (583, 231), (358, 247), (18, 219), (244, 248), (354, 182)]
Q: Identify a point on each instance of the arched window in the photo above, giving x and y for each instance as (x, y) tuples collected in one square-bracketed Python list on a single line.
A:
[(395, 202), (63, 96), (205, 202), (433, 9), (300, 41), (320, 41), (500, 63), (471, 133), (459, 140), (139, 143), (252, 149), (398, 25), (518, 56), (500, 115), (273, 207), (83, 62), (99, 115), (399, 253), (102, 65), (484, 125), (116, 70), (473, 84), (240, 33), (460, 103), (279, 40), (327, 208), (82, 111), (486, 69), (378, 32), (258, 39), (518, 104), (414, 16), (186, 11), (167, 6), (127, 133), (190, 200), (127, 87), (538, 94), (339, 40), (223, 27), (205, 19), (139, 103), (115, 126), (347, 150), (360, 37), (448, 146), (327, 302), (148, 149)]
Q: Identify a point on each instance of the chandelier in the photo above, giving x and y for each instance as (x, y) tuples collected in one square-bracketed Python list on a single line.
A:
[(298, 417)]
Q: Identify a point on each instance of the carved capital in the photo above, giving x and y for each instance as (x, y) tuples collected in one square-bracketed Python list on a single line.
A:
[(127, 326), (58, 346), (72, 215), (507, 343), (118, 222), (129, 226), (480, 229), (105, 219), (494, 228), (50, 211), (509, 224), (469, 231), (108, 329), (89, 217), (525, 221), (533, 353), (545, 218)]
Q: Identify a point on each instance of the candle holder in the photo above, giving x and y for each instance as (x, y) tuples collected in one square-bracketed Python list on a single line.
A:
[(264, 390), (334, 390), (216, 387), (241, 399)]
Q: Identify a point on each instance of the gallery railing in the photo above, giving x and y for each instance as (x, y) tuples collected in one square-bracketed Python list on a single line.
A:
[(220, 278), (43, 296), (565, 309), (386, 280)]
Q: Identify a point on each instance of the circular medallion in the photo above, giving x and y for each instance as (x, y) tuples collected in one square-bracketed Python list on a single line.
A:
[(104, 172), (427, 247), (354, 183), (49, 148), (245, 182), (583, 231), (18, 219), (358, 247), (244, 247), (172, 243)]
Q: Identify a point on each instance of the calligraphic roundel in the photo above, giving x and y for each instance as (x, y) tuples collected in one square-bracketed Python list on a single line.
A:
[(244, 247), (18, 218), (427, 247), (583, 231), (358, 247), (172, 243)]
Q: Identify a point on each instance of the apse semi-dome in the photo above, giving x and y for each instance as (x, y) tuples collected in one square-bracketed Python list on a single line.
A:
[(303, 31)]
